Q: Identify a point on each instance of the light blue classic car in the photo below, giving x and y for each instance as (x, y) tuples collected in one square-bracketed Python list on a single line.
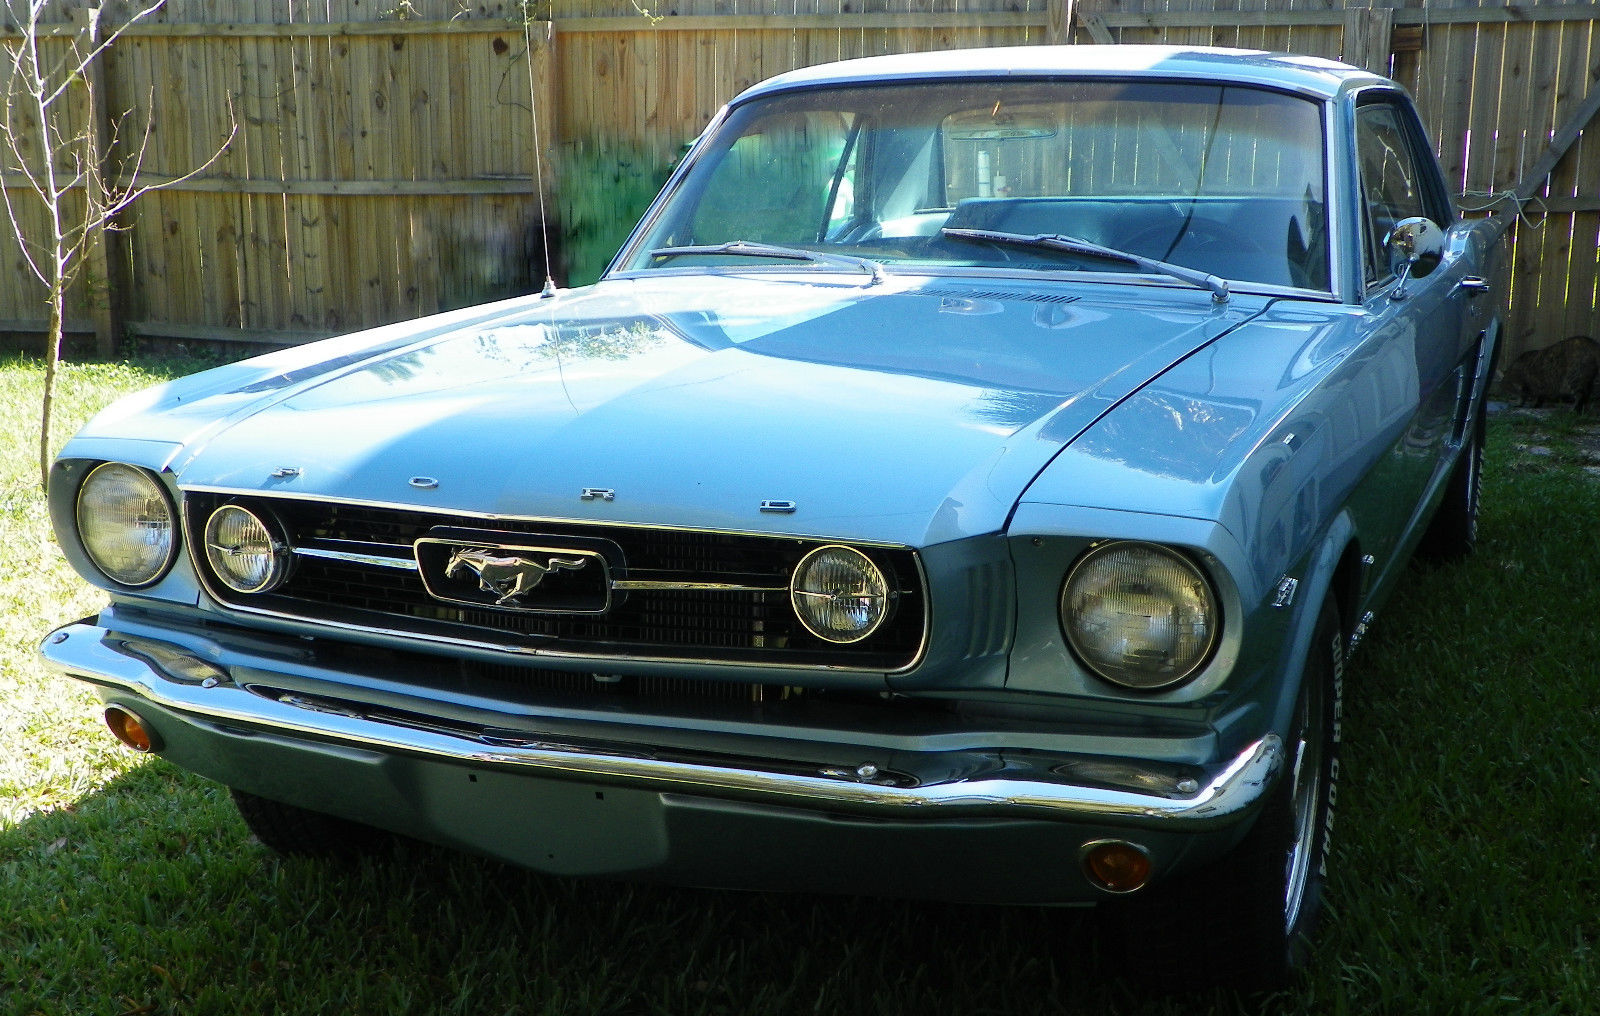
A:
[(967, 482)]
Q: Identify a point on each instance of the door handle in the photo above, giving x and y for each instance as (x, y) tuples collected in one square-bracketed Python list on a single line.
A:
[(1473, 285)]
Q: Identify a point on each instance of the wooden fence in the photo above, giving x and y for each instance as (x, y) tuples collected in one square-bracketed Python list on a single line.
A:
[(389, 153), (379, 169)]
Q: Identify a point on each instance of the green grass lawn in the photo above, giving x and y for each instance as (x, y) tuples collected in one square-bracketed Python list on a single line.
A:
[(1468, 828)]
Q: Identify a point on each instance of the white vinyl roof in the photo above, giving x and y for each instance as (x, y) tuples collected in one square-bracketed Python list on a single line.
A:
[(1305, 74)]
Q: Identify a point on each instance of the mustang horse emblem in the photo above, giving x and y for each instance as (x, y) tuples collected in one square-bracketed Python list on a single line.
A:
[(508, 576)]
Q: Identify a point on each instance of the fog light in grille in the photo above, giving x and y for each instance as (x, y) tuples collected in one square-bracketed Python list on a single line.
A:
[(839, 594), (245, 551), (1116, 866), (127, 727)]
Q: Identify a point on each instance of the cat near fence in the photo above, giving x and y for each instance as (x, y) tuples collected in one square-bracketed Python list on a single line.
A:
[(1563, 370)]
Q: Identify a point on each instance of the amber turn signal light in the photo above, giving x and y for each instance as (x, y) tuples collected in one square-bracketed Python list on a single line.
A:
[(127, 727), (1116, 866)]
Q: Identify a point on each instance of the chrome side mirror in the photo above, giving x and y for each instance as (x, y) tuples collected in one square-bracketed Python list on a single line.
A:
[(1415, 246)]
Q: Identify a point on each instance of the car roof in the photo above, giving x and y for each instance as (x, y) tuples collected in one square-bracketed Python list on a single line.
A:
[(1314, 76)]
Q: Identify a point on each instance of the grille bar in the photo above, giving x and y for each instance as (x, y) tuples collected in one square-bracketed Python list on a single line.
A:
[(357, 557)]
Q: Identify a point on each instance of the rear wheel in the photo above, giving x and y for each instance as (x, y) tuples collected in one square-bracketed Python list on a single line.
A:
[(296, 831), (1246, 920)]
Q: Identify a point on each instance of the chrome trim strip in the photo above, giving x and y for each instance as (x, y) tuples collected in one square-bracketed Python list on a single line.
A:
[(697, 587), (1234, 789), (621, 585), (910, 270), (596, 659), (376, 560)]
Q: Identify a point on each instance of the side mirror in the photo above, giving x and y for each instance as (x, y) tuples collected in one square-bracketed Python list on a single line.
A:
[(1415, 246)]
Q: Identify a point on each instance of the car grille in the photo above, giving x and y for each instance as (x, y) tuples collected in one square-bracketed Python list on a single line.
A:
[(355, 566)]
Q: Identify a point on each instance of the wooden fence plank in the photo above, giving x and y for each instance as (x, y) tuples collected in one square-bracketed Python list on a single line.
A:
[(1539, 290), (223, 250), (1583, 287), (263, 125), (103, 289), (1553, 270)]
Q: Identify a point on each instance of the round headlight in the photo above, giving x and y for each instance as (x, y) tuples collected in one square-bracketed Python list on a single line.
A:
[(243, 550), (1139, 615), (125, 521), (839, 594)]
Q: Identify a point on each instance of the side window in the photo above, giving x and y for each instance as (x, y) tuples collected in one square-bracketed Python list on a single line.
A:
[(1392, 185)]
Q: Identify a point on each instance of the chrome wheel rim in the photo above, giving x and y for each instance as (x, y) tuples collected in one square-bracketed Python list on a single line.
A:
[(1307, 792)]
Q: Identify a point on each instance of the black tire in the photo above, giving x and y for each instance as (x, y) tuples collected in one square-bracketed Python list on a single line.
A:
[(1246, 920), (299, 832), (1453, 532)]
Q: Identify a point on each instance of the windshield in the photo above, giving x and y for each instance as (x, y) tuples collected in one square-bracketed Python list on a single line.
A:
[(1227, 180)]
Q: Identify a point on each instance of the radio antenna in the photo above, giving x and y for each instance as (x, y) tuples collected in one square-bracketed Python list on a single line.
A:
[(538, 154)]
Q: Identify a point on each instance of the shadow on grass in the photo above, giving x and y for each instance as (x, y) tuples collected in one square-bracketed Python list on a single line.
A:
[(149, 896)]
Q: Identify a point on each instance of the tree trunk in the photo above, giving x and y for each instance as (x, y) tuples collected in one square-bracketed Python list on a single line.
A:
[(52, 360)]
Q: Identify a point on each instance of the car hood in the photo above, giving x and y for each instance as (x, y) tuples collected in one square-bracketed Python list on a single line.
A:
[(908, 411)]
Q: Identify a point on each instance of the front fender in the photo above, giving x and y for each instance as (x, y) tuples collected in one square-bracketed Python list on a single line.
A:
[(1334, 571)]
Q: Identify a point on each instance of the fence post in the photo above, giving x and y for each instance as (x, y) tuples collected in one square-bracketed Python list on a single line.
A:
[(104, 293), (1368, 34)]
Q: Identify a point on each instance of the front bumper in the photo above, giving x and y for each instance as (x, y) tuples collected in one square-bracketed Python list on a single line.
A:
[(588, 802)]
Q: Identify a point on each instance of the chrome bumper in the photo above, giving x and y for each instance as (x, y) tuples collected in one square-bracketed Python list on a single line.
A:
[(203, 692)]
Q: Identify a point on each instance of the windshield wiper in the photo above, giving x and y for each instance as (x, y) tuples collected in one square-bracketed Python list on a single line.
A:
[(750, 249), (1072, 245)]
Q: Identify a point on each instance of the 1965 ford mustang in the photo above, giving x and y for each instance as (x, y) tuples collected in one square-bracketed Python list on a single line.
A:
[(967, 482)]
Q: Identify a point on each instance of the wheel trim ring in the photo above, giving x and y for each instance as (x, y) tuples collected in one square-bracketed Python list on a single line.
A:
[(1474, 486)]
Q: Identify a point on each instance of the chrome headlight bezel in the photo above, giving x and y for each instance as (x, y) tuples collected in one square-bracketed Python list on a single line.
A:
[(820, 602), (149, 516), (234, 534), (1171, 649)]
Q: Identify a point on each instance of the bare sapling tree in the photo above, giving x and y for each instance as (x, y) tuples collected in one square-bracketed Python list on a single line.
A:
[(73, 171)]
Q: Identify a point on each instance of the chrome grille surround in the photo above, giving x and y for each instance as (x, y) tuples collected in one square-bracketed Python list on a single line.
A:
[(677, 595)]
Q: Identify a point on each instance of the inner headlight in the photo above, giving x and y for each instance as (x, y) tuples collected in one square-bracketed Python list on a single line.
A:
[(125, 520), (839, 594), (1139, 615), (244, 551)]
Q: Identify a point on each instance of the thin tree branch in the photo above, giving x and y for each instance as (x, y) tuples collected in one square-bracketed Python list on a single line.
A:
[(117, 202), (23, 243), (81, 67)]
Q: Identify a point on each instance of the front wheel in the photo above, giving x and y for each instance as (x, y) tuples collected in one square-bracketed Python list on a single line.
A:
[(1246, 920)]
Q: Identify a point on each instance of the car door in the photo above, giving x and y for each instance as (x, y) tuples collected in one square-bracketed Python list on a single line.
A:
[(1423, 343)]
